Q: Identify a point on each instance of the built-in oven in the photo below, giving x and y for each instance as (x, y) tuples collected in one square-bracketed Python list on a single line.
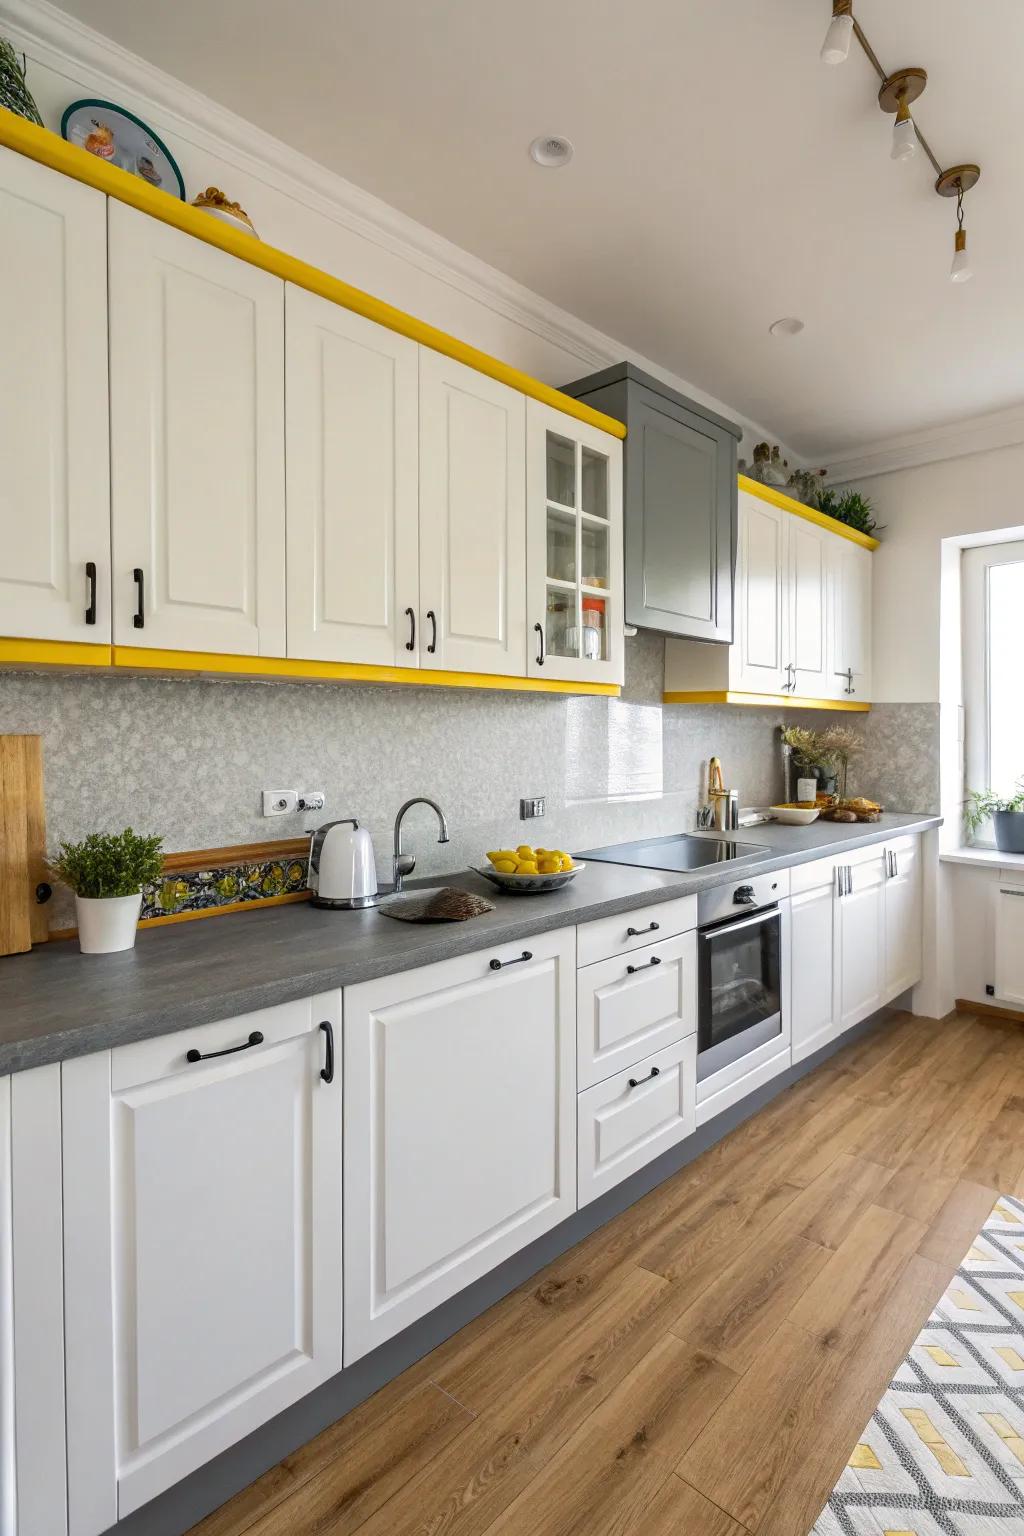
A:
[(740, 974)]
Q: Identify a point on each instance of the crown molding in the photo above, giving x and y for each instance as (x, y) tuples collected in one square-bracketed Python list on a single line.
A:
[(978, 434), (63, 43)]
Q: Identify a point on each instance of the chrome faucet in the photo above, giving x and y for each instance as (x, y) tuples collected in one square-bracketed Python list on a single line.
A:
[(404, 863)]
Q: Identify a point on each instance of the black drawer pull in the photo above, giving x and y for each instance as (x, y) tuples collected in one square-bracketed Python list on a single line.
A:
[(139, 617), (90, 576), (432, 616), (327, 1072), (634, 933), (410, 644), (635, 1082), (632, 969), (256, 1038), (539, 631), (497, 965)]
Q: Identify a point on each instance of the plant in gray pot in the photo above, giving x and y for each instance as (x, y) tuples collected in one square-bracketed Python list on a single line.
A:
[(107, 872), (1006, 813)]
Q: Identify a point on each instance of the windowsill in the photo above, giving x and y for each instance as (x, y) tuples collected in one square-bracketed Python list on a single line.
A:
[(983, 858)]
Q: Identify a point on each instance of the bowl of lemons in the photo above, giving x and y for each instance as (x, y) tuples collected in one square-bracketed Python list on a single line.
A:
[(529, 871)]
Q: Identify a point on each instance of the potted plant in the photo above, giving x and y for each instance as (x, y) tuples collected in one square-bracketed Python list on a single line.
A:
[(811, 756), (1007, 814), (850, 508), (107, 871)]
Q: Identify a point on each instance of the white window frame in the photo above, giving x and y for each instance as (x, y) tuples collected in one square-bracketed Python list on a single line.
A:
[(975, 565)]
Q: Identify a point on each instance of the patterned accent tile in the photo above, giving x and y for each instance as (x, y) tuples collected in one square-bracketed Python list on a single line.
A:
[(199, 890)]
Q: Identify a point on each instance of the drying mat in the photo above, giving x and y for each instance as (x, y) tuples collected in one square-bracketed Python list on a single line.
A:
[(944, 1452), (447, 905)]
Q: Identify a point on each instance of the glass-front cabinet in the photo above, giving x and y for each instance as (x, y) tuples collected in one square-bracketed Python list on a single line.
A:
[(574, 549)]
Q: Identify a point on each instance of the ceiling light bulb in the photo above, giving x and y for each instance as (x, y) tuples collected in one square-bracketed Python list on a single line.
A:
[(960, 271), (904, 135), (836, 46)]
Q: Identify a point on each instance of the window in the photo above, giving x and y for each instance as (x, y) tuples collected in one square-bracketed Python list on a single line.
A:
[(993, 674)]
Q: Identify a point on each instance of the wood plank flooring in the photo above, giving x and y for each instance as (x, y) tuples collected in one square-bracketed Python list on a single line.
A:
[(703, 1365)]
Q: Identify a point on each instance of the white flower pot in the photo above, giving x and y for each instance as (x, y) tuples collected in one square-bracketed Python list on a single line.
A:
[(107, 923)]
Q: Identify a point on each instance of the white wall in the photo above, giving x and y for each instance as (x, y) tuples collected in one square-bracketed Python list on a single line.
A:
[(311, 213)]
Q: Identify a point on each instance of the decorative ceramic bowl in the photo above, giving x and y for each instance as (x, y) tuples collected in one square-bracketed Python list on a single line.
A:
[(529, 885), (794, 815)]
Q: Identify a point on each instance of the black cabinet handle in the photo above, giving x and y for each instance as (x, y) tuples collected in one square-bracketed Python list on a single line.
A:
[(327, 1072), (256, 1038), (654, 960), (90, 576), (635, 1082), (539, 628), (432, 616), (497, 965), (410, 644), (139, 620), (634, 933)]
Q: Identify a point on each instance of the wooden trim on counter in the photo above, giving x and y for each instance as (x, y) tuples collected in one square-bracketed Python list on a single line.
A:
[(140, 659), (799, 509), (50, 149), (989, 1010), (775, 700), (241, 853)]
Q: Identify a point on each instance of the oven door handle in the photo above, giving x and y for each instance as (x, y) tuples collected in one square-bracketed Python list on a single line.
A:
[(764, 916)]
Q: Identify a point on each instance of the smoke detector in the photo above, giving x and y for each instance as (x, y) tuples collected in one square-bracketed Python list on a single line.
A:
[(551, 150)]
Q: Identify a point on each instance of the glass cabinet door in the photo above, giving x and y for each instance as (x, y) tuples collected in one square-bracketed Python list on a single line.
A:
[(575, 565)]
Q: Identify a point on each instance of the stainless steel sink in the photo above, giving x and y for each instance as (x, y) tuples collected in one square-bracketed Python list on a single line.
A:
[(677, 852)]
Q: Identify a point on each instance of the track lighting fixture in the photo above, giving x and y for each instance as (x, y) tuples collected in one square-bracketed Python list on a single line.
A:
[(895, 95), (954, 183), (836, 47)]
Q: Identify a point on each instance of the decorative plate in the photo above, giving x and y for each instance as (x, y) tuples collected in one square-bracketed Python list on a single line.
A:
[(116, 135), (528, 885)]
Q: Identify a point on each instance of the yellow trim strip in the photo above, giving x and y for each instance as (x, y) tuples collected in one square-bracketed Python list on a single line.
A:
[(809, 514), (50, 149), (341, 671), (774, 700), (53, 653)]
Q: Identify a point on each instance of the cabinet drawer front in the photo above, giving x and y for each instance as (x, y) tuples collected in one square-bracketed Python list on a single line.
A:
[(620, 935), (148, 1060), (813, 876), (628, 1007), (621, 1127)]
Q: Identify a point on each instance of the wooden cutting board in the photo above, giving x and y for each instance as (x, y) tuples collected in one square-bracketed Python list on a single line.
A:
[(23, 920)]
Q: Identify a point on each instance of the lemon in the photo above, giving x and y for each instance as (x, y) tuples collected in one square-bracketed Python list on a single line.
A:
[(503, 854), (505, 866), (549, 866), (527, 867), (525, 851), (566, 862), (559, 853)]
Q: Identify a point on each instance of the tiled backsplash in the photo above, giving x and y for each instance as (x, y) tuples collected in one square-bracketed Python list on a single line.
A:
[(188, 758)]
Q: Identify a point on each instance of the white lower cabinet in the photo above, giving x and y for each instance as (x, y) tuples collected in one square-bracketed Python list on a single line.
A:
[(812, 992), (460, 1126), (202, 1246), (903, 916), (634, 1116), (632, 1005), (859, 942)]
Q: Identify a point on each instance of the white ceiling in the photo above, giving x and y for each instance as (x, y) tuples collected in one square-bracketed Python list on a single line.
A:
[(723, 177)]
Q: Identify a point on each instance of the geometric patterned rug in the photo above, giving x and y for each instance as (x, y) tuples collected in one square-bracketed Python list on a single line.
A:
[(944, 1452)]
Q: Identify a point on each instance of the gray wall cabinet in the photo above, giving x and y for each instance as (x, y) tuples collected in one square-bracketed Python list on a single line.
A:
[(680, 504)]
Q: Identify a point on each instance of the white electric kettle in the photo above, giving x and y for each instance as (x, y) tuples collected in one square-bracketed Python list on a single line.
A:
[(342, 872)]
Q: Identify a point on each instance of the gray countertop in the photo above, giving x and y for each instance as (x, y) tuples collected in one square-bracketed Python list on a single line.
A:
[(56, 1003)]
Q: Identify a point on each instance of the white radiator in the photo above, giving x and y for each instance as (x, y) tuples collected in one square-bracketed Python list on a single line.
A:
[(1010, 943)]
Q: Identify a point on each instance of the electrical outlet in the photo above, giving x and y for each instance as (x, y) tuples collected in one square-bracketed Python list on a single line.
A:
[(535, 806), (312, 800), (990, 990), (280, 802)]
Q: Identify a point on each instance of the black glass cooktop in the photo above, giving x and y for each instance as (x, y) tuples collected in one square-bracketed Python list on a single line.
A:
[(677, 852)]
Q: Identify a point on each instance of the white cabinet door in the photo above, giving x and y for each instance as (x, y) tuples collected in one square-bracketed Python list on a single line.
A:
[(903, 916), (811, 996), (634, 1005), (859, 947), (197, 443), (54, 447), (353, 512), (758, 658), (206, 1236), (472, 520), (630, 1119), (1009, 976), (460, 1126), (851, 620), (807, 566), (574, 549)]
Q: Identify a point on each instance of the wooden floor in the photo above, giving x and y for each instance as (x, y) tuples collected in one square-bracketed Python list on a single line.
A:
[(703, 1364)]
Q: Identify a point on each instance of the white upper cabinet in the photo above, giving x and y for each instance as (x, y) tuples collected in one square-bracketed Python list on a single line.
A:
[(761, 598), (54, 484), (472, 520), (574, 549), (353, 515), (809, 675), (850, 647), (460, 1126), (203, 1241), (197, 443)]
